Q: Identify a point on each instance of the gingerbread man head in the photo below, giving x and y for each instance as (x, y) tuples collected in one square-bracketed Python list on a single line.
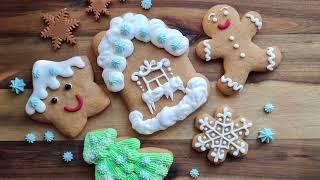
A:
[(231, 40), (65, 94)]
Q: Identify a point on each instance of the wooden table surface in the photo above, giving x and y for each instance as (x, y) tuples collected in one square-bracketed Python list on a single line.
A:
[(293, 25)]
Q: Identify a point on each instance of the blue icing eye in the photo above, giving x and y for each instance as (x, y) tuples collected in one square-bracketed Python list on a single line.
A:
[(176, 45), (125, 30), (144, 32), (144, 175), (34, 102), (113, 79), (116, 62), (120, 160), (162, 38), (120, 46), (53, 71), (36, 73)]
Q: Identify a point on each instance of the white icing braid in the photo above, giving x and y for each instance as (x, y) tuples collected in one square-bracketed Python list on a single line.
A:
[(255, 20), (117, 44), (232, 84), (271, 58), (44, 75), (196, 95), (207, 50)]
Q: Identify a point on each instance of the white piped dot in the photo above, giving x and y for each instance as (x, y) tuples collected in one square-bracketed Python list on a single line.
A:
[(240, 132), (138, 83), (242, 55), (171, 73), (225, 12), (207, 145), (227, 129), (219, 128), (231, 38), (224, 142), (217, 142), (215, 19), (229, 136), (212, 134), (169, 69), (236, 46)]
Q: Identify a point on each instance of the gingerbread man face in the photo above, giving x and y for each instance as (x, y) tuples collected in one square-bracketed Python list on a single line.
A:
[(65, 95), (231, 41)]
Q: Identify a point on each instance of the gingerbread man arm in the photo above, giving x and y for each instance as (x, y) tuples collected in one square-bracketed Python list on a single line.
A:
[(209, 49), (265, 59), (251, 23)]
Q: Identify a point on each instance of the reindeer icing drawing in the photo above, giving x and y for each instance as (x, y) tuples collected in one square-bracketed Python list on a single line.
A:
[(157, 82), (65, 94), (231, 41)]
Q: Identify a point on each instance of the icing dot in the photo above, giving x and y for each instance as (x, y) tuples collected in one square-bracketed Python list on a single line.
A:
[(215, 149), (224, 142), (141, 87), (162, 38), (35, 73), (211, 122), (138, 83), (176, 45), (225, 12), (227, 129), (144, 175), (236, 46), (125, 29), (229, 136), (215, 19), (207, 145), (242, 55), (171, 73), (204, 137), (34, 102), (102, 169), (218, 128), (240, 133), (237, 124), (205, 129), (145, 161), (212, 134), (120, 46), (232, 148), (217, 142), (144, 32), (169, 69), (120, 160), (231, 38), (206, 118), (116, 63), (113, 79), (53, 71)]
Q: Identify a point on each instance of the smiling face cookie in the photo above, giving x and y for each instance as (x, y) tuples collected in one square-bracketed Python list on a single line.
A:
[(231, 41), (65, 94), (148, 63)]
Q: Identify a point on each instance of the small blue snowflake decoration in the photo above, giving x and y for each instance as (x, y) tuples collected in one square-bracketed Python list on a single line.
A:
[(266, 135), (30, 138), (17, 85), (48, 136), (268, 108), (146, 4), (67, 156), (194, 173)]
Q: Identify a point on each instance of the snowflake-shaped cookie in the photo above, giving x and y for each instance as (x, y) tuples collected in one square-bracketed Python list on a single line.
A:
[(99, 7), (222, 135), (59, 28)]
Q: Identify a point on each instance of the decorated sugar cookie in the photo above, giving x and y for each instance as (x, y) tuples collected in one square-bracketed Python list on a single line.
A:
[(123, 158), (148, 63), (222, 134), (231, 40), (99, 7), (65, 94)]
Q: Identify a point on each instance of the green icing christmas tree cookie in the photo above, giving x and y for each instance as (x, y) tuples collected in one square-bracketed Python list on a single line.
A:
[(124, 159)]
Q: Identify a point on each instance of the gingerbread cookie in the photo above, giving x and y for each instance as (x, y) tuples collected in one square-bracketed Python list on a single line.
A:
[(231, 39), (157, 82), (98, 7), (122, 158), (221, 135), (67, 106)]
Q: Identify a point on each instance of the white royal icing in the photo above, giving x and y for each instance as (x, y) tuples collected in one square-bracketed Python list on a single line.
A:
[(207, 49), (45, 76), (232, 84), (117, 44), (255, 20), (223, 135), (196, 94), (271, 58)]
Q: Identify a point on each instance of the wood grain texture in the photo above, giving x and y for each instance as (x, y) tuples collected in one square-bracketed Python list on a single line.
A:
[(294, 89)]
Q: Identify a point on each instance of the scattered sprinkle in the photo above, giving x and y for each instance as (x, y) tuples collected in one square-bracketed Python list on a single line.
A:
[(30, 138), (67, 156), (268, 108), (266, 135), (48, 136), (146, 4), (194, 173), (17, 85)]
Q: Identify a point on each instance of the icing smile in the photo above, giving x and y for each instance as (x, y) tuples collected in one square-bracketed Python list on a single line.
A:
[(225, 25), (77, 108)]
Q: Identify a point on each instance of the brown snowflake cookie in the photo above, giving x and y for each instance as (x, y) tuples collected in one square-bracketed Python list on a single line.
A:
[(99, 7), (65, 94), (221, 135), (59, 28), (231, 39)]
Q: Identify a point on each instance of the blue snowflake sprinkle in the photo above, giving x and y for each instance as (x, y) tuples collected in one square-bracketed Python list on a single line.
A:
[(266, 135), (48, 136), (144, 32), (125, 29), (34, 102), (120, 46), (17, 85), (120, 160), (67, 156), (36, 73), (30, 138), (102, 169), (146, 161), (146, 4), (176, 45), (144, 175), (53, 71), (268, 108), (194, 173), (162, 38)]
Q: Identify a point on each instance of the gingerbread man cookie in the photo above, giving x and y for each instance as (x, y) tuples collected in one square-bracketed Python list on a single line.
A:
[(231, 39), (67, 106), (156, 79), (222, 134)]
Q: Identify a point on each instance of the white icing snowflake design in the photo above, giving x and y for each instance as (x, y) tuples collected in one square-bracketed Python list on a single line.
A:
[(222, 135)]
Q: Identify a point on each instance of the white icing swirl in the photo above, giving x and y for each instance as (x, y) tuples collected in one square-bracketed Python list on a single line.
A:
[(232, 84), (207, 49), (271, 58), (255, 20), (45, 76), (196, 95), (117, 44)]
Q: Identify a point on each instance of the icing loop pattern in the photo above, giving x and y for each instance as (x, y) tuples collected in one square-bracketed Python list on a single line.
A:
[(207, 50), (231, 84), (271, 58), (255, 20)]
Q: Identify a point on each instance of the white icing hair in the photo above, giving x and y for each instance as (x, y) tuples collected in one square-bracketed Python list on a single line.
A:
[(44, 75), (117, 44)]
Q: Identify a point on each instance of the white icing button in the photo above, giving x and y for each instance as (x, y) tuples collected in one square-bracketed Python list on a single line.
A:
[(242, 55), (212, 134), (231, 38), (225, 12), (236, 46), (227, 129)]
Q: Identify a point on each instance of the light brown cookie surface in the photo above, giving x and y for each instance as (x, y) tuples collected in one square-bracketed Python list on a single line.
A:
[(231, 39)]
